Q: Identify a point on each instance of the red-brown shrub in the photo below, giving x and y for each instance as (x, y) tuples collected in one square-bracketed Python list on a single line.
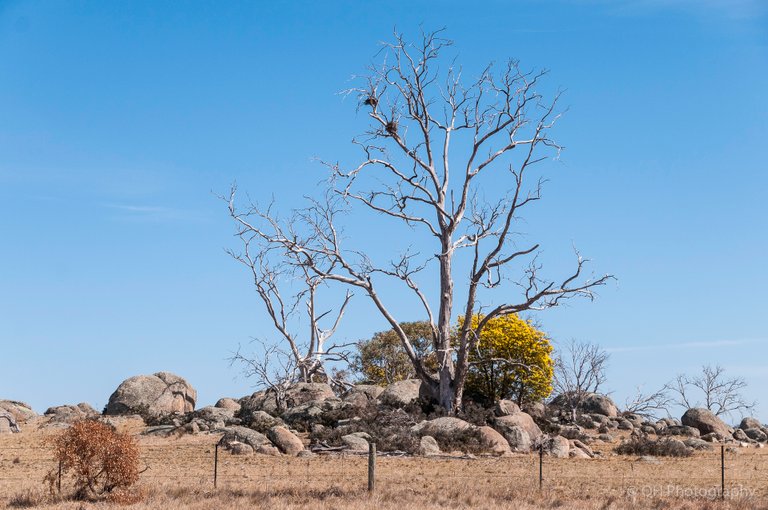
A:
[(99, 460)]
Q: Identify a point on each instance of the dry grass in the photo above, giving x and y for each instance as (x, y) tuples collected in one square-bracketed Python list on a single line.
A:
[(180, 476)]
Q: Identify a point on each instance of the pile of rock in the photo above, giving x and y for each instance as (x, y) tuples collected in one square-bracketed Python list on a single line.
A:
[(153, 395), (67, 414), (269, 423), (13, 414)]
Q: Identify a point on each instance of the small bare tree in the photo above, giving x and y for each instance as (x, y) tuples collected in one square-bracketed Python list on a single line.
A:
[(579, 371), (648, 405), (271, 367), (303, 359), (711, 389), (433, 137)]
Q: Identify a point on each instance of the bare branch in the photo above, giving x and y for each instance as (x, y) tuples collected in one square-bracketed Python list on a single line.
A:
[(720, 394), (579, 370), (648, 405)]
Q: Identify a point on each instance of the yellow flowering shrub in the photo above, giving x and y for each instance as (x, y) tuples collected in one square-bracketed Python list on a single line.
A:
[(513, 360)]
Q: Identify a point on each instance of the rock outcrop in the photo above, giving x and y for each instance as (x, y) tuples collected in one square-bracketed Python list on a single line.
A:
[(705, 422), (285, 440), (401, 393), (8, 423), (159, 394), (21, 411), (591, 403), (556, 446), (522, 420), (68, 414), (362, 395)]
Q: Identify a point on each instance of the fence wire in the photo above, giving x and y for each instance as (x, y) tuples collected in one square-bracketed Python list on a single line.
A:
[(192, 464)]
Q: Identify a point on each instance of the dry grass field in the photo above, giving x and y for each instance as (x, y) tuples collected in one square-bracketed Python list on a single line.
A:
[(180, 475)]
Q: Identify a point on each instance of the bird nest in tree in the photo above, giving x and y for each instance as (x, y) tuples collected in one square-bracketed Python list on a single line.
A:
[(371, 101), (391, 127)]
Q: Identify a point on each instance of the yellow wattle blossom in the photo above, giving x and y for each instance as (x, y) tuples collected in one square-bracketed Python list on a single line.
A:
[(513, 360)]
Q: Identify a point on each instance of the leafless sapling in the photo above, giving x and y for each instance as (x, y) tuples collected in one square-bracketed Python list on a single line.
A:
[(579, 370), (711, 389)]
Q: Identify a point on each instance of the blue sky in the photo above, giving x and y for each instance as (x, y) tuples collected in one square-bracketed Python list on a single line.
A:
[(119, 121)]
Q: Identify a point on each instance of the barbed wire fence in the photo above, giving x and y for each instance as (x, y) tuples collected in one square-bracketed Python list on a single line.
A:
[(726, 473)]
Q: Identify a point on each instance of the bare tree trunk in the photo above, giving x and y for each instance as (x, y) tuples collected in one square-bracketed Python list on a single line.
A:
[(444, 352)]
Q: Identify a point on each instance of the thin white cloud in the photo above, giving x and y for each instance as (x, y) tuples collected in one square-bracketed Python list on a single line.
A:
[(683, 345), (739, 11), (152, 213), (142, 209), (724, 9)]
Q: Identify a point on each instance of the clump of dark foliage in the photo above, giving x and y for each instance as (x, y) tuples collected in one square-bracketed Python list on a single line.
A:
[(390, 428), (471, 412), (664, 447), (154, 419), (468, 441)]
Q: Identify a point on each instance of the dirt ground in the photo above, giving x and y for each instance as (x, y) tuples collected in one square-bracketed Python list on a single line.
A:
[(180, 473)]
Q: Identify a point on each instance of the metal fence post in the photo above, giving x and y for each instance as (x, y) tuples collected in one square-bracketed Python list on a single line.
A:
[(541, 466), (216, 466), (58, 482), (371, 467), (722, 471)]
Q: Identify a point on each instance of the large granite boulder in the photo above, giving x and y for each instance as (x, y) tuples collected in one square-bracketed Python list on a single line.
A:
[(256, 440), (21, 412), (591, 403), (262, 421), (401, 393), (505, 408), (70, 413), (303, 393), (456, 431), (705, 421), (159, 394), (756, 435), (228, 403), (750, 423), (444, 426), (518, 439), (357, 441), (595, 403), (557, 446), (8, 423), (285, 440), (362, 395), (494, 442), (428, 446), (210, 419), (504, 424)]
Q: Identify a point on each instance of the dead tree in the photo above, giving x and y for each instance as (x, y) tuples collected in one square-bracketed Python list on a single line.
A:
[(432, 136), (303, 360), (648, 405), (579, 371), (710, 389)]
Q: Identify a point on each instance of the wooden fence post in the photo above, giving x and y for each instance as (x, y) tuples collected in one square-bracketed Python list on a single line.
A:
[(58, 482), (371, 467)]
